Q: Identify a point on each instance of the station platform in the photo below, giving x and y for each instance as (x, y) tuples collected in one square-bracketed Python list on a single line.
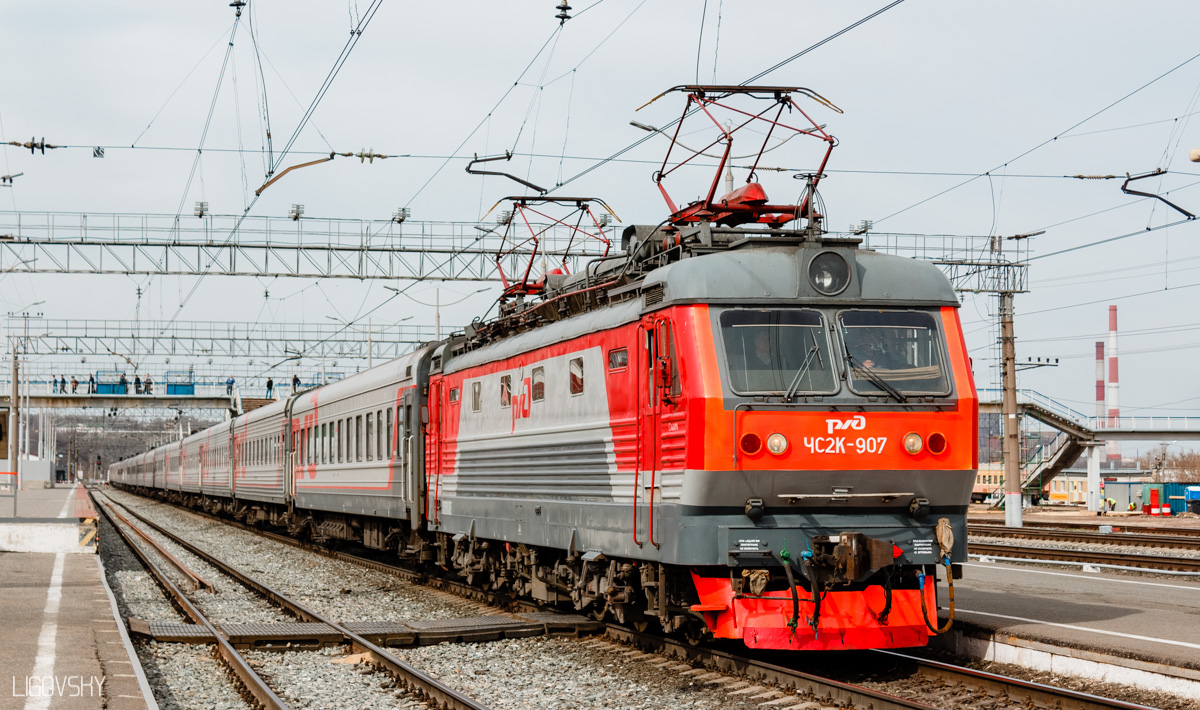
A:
[(1142, 625), (48, 520), (61, 645)]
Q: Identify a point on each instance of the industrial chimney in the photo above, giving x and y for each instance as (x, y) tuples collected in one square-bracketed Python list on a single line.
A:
[(1114, 384)]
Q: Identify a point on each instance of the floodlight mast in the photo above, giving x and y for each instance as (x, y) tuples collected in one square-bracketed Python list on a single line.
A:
[(747, 204)]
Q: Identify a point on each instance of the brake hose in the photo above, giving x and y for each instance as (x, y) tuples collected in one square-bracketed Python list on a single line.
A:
[(950, 596), (784, 557)]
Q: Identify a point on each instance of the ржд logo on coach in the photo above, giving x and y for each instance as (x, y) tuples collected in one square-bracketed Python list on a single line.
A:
[(857, 423)]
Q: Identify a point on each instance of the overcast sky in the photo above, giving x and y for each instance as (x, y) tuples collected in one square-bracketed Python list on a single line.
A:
[(930, 86)]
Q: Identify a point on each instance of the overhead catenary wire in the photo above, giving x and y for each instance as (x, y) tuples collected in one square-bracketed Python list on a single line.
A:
[(1044, 143), (747, 82)]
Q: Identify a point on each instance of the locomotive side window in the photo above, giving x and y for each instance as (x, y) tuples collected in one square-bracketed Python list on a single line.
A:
[(902, 349), (537, 387), (618, 359), (778, 351), (506, 391), (476, 396), (576, 372), (453, 395)]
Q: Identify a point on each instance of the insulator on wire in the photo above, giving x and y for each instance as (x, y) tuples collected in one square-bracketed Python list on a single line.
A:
[(562, 15)]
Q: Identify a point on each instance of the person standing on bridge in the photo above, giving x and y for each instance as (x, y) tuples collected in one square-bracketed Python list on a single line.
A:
[(137, 384), (270, 387), (229, 385), (123, 384), (295, 383), (74, 384), (91, 383), (147, 386)]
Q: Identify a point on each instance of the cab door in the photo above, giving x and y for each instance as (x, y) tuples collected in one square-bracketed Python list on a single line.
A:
[(654, 367)]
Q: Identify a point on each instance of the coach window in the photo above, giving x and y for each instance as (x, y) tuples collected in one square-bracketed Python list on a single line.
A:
[(476, 396), (576, 371), (338, 436), (391, 448), (537, 387), (618, 359), (379, 434), (358, 437), (370, 436), (506, 391)]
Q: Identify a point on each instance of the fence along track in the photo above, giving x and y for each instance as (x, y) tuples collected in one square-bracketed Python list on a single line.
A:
[(408, 676), (251, 682)]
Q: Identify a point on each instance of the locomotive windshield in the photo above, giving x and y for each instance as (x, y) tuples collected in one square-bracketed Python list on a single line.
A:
[(893, 350), (778, 352)]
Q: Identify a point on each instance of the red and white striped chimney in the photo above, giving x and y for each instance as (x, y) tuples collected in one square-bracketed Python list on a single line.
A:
[(1114, 384), (1101, 410)]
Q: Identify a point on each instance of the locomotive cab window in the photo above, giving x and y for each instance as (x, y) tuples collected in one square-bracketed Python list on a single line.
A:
[(775, 352), (453, 395), (576, 373), (618, 359), (902, 349)]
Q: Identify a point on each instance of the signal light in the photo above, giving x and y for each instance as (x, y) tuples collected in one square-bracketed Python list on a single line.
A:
[(913, 443), (777, 444), (750, 444), (936, 443)]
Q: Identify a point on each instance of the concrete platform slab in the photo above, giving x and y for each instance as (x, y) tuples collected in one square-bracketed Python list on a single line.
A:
[(35, 525), (1136, 617), (60, 644)]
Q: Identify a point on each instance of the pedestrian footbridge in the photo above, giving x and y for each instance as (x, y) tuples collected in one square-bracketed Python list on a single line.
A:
[(1079, 431)]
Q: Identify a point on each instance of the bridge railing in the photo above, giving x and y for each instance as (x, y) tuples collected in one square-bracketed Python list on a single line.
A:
[(39, 387), (1148, 423)]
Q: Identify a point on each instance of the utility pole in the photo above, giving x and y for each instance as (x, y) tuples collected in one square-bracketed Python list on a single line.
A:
[(1008, 406), (1005, 274)]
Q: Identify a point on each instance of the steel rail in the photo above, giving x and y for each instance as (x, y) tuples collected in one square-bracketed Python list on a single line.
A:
[(409, 676), (806, 682), (1131, 539), (251, 682), (1035, 694), (1049, 554), (197, 581), (1138, 529)]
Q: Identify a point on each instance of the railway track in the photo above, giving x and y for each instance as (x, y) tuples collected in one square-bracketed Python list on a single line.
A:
[(1130, 539), (1159, 563), (945, 684), (413, 679), (1138, 529), (251, 683)]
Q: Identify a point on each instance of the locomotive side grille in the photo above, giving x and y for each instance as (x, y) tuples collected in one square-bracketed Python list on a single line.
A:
[(572, 469), (655, 294)]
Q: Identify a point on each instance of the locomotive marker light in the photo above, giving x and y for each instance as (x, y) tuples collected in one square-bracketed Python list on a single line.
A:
[(936, 443), (829, 273), (913, 443), (777, 444)]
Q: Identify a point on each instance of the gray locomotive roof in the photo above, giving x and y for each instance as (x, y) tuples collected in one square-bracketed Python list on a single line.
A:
[(773, 274), (758, 275)]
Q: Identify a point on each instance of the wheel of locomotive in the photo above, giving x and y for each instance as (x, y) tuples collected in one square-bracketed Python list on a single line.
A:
[(695, 632), (598, 611)]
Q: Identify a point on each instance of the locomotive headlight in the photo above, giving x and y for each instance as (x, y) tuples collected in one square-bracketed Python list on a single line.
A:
[(777, 444), (913, 443), (829, 273)]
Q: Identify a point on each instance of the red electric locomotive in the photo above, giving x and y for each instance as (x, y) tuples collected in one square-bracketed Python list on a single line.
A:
[(732, 428)]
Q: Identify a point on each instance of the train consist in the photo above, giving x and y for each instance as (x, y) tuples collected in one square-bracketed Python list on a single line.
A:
[(730, 428)]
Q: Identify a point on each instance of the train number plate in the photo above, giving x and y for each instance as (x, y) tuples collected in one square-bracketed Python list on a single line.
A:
[(845, 444)]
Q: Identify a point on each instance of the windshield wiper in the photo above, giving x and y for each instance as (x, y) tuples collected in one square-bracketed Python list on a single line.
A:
[(791, 390), (874, 378)]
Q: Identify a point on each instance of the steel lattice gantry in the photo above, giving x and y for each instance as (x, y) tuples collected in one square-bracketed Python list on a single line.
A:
[(203, 339), (228, 245)]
